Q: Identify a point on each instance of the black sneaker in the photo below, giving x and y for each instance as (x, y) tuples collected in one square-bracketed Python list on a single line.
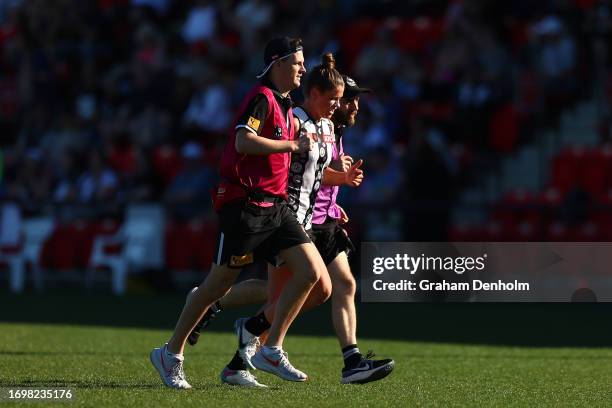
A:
[(367, 370), (210, 314)]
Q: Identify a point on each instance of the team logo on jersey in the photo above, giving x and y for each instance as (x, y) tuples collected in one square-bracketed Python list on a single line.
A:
[(278, 132), (253, 123), (236, 261)]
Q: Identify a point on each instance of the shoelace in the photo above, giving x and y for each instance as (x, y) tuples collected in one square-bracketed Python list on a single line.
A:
[(370, 355), (284, 361), (252, 346), (247, 375), (177, 371)]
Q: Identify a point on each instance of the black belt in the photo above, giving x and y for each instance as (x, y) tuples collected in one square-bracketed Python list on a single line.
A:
[(262, 197)]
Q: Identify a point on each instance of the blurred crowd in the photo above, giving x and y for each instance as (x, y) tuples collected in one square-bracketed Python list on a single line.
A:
[(110, 102)]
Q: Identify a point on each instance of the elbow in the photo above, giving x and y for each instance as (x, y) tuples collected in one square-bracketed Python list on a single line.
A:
[(239, 144)]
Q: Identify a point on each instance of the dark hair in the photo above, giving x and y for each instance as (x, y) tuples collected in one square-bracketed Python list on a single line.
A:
[(324, 77), (295, 43)]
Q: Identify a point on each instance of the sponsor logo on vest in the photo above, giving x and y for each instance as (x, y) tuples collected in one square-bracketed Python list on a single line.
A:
[(253, 123), (278, 132)]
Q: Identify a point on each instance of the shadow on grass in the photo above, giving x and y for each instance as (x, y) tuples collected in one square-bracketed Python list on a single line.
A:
[(515, 324), (74, 384)]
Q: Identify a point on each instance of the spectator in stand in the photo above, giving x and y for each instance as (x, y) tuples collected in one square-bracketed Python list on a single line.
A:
[(140, 184), (209, 109), (99, 183), (188, 195), (554, 56), (66, 179), (201, 22), (32, 184), (380, 58)]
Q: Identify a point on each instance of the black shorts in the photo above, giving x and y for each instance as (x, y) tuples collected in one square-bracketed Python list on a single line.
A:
[(331, 240), (250, 233)]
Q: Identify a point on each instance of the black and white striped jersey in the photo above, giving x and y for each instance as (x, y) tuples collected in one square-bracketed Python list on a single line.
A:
[(306, 170)]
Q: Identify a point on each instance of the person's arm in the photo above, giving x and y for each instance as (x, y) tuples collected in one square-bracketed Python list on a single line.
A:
[(344, 163), (248, 132), (248, 142), (353, 177)]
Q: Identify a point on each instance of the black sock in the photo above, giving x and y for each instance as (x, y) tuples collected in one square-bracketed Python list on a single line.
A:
[(351, 355), (257, 324), (217, 306), (237, 363)]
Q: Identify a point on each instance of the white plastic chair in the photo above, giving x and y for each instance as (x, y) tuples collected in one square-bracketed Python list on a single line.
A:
[(35, 232), (142, 241)]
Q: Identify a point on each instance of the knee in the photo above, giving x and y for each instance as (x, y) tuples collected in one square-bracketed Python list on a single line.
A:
[(321, 292), (345, 287), (326, 289), (217, 283), (311, 272)]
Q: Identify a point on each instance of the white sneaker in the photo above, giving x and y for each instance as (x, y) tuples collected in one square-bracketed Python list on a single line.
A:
[(170, 369), (276, 361), (240, 377), (247, 342)]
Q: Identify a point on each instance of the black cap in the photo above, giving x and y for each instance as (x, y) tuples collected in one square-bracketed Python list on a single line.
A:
[(351, 89), (278, 49)]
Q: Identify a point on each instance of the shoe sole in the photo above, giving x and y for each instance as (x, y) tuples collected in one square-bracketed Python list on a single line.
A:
[(224, 381), (378, 374), (163, 378), (238, 328), (267, 369)]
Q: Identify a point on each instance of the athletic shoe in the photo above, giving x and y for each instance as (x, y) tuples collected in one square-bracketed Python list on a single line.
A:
[(240, 377), (367, 370), (210, 314), (170, 369), (277, 362), (247, 342)]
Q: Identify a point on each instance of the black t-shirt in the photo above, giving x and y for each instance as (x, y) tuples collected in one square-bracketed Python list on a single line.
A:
[(255, 114)]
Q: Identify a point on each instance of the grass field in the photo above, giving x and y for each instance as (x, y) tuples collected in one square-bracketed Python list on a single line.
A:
[(109, 366)]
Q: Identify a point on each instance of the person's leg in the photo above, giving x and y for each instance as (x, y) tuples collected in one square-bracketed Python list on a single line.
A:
[(307, 267), (168, 360), (357, 368), (248, 292), (245, 293), (306, 264), (344, 316), (216, 285)]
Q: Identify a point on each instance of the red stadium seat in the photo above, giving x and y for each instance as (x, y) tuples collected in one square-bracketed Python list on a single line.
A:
[(503, 128), (418, 34), (518, 206), (166, 162), (567, 167), (592, 175), (354, 36), (524, 232), (464, 233), (559, 232), (203, 238), (177, 247), (589, 232)]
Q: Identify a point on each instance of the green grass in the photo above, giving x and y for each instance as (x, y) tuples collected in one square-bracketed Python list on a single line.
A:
[(108, 366)]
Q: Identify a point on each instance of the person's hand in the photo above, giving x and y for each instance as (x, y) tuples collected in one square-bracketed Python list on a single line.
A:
[(354, 176), (343, 217), (346, 162), (303, 144)]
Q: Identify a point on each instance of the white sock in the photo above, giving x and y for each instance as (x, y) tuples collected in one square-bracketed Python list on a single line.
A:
[(172, 355), (269, 350)]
